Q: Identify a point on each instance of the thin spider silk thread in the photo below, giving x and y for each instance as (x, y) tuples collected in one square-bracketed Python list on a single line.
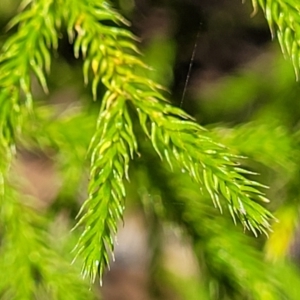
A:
[(186, 83), (190, 69)]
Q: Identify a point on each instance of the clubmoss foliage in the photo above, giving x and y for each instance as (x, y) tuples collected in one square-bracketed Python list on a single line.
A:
[(135, 125), (283, 19)]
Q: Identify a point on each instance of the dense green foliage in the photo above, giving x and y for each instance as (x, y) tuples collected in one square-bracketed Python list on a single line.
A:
[(199, 178)]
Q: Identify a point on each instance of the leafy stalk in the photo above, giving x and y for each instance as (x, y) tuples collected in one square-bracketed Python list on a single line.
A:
[(112, 147), (283, 17), (111, 57), (184, 144), (30, 267), (25, 52)]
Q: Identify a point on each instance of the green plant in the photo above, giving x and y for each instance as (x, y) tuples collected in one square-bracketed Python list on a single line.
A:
[(132, 107)]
